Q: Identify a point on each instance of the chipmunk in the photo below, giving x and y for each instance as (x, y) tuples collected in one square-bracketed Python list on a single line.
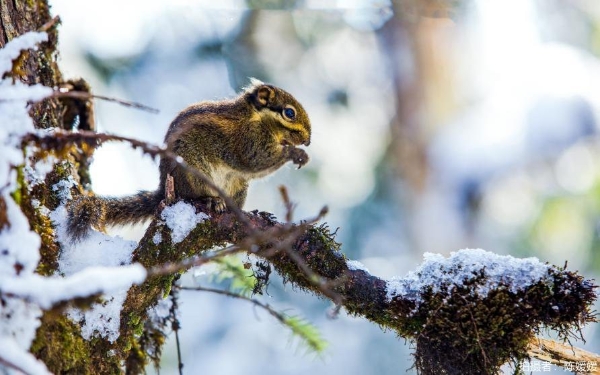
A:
[(230, 141)]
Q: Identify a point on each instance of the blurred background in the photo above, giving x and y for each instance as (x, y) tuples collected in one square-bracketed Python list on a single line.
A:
[(437, 125)]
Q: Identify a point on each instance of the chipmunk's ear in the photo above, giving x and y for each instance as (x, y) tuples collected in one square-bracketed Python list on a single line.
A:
[(265, 95), (261, 94)]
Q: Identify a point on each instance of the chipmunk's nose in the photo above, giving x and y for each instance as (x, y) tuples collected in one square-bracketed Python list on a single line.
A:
[(307, 142)]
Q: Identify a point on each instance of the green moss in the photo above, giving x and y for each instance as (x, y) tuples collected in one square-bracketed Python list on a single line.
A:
[(167, 286), (72, 355), (329, 264), (17, 195), (459, 332)]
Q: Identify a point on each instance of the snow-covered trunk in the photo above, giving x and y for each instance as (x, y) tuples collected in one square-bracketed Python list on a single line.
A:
[(36, 336)]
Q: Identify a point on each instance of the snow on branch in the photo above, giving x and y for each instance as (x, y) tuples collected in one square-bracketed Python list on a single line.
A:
[(442, 275), (13, 49), (46, 292), (469, 313), (14, 357)]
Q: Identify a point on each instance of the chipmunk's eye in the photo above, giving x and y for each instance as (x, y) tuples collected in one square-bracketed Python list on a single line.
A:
[(289, 113)]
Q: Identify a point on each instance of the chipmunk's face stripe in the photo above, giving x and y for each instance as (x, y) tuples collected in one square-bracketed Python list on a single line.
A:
[(291, 125), (275, 105)]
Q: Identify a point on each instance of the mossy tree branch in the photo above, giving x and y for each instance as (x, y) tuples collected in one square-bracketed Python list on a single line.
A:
[(460, 334)]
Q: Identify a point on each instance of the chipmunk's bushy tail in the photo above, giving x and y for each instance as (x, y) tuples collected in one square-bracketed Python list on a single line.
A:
[(97, 212)]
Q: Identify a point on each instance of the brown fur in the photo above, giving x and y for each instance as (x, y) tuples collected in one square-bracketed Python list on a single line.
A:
[(231, 141)]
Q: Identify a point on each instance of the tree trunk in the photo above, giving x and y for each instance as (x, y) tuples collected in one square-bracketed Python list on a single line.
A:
[(58, 342)]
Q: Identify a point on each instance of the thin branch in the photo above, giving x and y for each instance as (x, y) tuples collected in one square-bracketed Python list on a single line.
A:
[(171, 268), (64, 92), (249, 244), (227, 293), (61, 139), (175, 325), (49, 24), (289, 206), (286, 235), (562, 355), (298, 326)]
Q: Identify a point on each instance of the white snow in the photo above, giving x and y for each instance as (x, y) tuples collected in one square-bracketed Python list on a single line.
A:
[(11, 353), (38, 206), (354, 265), (63, 189), (97, 250), (47, 291), (19, 246), (181, 218), (19, 321), (161, 311), (157, 238), (35, 173), (13, 49), (20, 92), (436, 271)]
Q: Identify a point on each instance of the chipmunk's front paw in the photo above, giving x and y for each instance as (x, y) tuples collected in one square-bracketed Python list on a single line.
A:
[(216, 204), (298, 156)]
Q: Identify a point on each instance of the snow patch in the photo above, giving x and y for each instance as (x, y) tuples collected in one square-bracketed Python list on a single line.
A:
[(464, 265), (21, 93), (354, 265), (161, 311), (97, 249), (63, 189), (181, 218), (157, 238), (12, 354), (35, 173), (46, 291), (13, 49)]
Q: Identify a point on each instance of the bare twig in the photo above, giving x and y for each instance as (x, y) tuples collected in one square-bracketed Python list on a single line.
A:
[(289, 206), (64, 92), (171, 268), (227, 293), (286, 236), (169, 190), (175, 325), (286, 245), (49, 24), (61, 139), (248, 244)]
